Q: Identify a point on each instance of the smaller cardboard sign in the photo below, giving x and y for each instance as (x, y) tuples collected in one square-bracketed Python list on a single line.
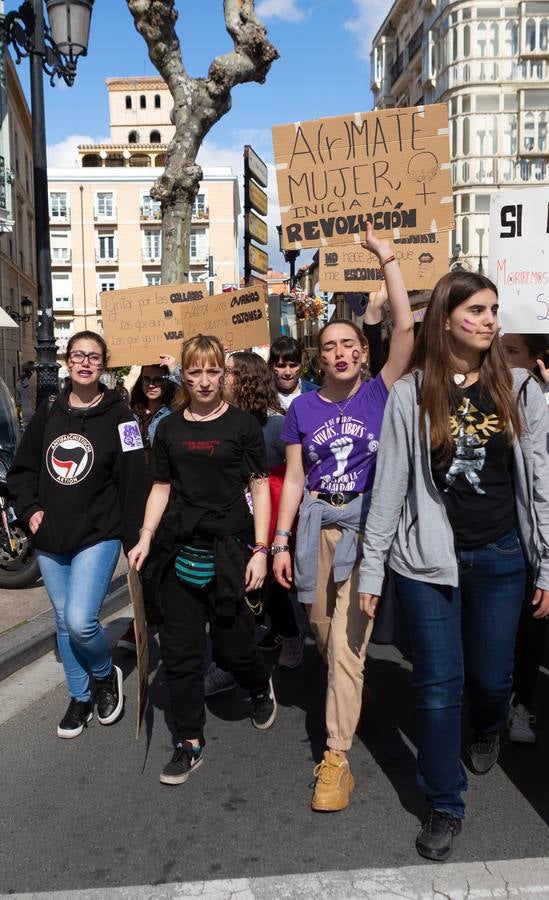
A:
[(423, 259), (258, 260), (519, 258), (257, 199), (237, 318), (142, 645), (254, 166), (257, 228)]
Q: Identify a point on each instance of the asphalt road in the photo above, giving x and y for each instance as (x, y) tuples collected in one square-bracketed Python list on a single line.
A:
[(91, 813)]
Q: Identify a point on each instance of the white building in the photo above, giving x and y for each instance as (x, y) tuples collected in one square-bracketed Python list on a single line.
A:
[(490, 63)]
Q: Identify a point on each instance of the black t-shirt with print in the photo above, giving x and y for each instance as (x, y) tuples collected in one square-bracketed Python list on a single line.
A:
[(208, 463), (477, 485)]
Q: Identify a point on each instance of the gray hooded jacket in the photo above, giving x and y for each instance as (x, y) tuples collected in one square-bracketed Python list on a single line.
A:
[(407, 525)]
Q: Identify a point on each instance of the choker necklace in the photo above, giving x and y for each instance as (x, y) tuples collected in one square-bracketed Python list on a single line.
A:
[(85, 405), (203, 419), (459, 377)]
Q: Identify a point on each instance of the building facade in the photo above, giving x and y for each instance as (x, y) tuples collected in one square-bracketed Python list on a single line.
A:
[(105, 227), (18, 292), (490, 63)]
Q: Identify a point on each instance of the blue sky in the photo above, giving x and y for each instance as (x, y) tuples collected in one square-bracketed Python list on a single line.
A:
[(324, 70)]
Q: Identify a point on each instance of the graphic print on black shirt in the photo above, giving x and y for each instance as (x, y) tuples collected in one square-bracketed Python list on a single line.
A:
[(477, 486)]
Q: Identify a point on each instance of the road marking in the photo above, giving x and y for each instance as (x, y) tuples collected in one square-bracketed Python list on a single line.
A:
[(527, 878)]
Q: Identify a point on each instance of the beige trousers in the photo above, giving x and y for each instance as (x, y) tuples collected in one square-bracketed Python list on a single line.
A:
[(342, 633)]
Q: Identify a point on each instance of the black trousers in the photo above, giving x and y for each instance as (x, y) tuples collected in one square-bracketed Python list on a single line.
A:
[(280, 609), (183, 645), (528, 650)]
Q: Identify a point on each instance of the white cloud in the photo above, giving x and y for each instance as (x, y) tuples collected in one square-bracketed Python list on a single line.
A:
[(287, 10), (64, 155), (369, 17)]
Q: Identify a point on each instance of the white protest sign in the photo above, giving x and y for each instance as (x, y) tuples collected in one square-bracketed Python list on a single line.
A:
[(519, 258)]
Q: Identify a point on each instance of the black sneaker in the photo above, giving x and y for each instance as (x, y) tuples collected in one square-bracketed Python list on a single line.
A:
[(185, 760), (434, 841), (274, 639), (79, 713), (109, 698), (264, 708), (484, 752)]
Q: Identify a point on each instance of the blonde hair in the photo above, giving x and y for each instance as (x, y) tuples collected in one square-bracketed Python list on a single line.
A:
[(200, 350)]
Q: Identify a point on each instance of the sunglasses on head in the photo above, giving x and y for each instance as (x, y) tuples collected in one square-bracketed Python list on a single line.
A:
[(155, 381)]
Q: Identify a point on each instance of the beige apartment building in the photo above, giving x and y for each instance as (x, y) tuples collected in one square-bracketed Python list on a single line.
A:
[(105, 227), (489, 61), (18, 294)]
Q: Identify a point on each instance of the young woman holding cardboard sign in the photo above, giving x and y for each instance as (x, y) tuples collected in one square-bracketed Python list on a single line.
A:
[(461, 498), (208, 550), (332, 438)]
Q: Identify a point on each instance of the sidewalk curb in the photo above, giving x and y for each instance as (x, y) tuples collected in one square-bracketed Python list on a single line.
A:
[(26, 643)]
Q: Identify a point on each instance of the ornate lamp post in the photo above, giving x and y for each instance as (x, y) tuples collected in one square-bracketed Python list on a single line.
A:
[(290, 256), (54, 49)]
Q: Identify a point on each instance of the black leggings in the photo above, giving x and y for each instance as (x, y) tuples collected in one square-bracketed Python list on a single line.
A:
[(528, 651), (183, 644)]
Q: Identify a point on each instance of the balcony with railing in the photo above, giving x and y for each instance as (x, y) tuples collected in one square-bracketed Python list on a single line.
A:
[(105, 215), (106, 257), (150, 213), (60, 216), (200, 215), (150, 256), (415, 42), (61, 257)]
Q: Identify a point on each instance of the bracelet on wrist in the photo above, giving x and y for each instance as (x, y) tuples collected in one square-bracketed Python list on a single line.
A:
[(260, 544), (388, 260), (280, 548), (150, 530), (283, 533), (264, 550)]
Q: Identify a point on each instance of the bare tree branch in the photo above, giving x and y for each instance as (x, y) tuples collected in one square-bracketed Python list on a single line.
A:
[(198, 103)]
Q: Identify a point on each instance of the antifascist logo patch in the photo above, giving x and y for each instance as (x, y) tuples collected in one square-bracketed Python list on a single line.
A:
[(69, 458)]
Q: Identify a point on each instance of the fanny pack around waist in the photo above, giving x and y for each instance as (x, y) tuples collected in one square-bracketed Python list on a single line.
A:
[(195, 567)]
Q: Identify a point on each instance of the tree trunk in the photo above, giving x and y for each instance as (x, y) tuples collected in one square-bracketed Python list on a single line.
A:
[(198, 103)]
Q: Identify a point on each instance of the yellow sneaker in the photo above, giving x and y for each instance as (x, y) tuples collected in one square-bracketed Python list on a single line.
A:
[(334, 783)]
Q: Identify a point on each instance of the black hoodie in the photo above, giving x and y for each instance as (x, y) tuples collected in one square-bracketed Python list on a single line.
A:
[(86, 469)]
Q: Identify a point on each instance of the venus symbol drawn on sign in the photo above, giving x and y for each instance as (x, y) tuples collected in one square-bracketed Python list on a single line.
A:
[(422, 168)]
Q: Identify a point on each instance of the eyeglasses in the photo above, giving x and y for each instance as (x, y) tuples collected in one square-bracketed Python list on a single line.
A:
[(78, 356), (155, 381)]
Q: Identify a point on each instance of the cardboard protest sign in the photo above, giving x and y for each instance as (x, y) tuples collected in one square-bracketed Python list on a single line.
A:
[(142, 646), (519, 258), (422, 258), (391, 167), (141, 323)]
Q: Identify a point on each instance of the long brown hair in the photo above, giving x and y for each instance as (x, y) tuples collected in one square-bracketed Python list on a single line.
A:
[(432, 354), (253, 388), (138, 400), (201, 350)]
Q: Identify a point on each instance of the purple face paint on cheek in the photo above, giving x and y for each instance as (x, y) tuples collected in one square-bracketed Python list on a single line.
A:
[(470, 330), (355, 356)]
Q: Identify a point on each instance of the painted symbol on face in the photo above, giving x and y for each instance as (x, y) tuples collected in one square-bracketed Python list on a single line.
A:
[(471, 329), (355, 356)]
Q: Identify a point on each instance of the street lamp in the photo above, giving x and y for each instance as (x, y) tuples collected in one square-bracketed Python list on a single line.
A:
[(54, 49), (290, 256), (480, 232), (25, 315)]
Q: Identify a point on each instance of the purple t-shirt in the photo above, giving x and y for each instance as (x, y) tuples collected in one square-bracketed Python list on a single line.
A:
[(339, 448)]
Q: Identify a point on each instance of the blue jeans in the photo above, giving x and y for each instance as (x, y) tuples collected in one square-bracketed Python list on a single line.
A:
[(458, 636), (77, 583)]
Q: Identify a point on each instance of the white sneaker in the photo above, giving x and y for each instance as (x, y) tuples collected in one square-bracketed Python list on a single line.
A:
[(292, 652), (519, 722), (216, 681)]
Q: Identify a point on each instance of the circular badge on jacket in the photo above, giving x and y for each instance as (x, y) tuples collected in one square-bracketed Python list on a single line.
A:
[(69, 458)]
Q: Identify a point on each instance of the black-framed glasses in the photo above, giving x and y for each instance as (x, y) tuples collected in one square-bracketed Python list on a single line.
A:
[(155, 381), (78, 356)]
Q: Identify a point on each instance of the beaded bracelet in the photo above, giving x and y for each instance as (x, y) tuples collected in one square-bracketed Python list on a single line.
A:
[(388, 260)]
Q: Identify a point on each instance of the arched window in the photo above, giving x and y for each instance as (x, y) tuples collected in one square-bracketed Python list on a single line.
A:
[(143, 101), (544, 34), (155, 137), (542, 131), (467, 40), (128, 101), (454, 44), (133, 137), (481, 39), (530, 34), (157, 101), (465, 235), (453, 126), (493, 42), (510, 135), (511, 39), (529, 130), (466, 142)]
